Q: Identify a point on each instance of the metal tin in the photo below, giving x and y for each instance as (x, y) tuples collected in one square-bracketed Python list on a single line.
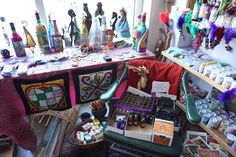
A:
[(230, 121), (231, 114), (223, 125), (234, 146), (219, 119), (230, 139), (230, 129), (217, 112), (212, 122), (205, 118), (223, 117)]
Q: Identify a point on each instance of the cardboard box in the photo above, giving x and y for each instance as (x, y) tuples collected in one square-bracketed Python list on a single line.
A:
[(163, 132), (140, 133), (113, 123)]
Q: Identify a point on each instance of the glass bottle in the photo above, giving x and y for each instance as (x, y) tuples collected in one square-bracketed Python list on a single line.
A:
[(141, 39), (84, 34), (135, 34), (41, 33), (50, 31), (202, 10), (17, 42), (57, 38), (214, 12), (97, 35), (196, 10), (104, 28)]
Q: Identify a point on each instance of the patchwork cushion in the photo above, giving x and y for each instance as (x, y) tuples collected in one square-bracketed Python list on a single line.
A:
[(42, 95), (91, 83)]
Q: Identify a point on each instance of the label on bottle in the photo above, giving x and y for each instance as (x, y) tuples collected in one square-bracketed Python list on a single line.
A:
[(213, 16), (202, 11), (195, 12), (57, 42), (84, 39), (19, 48), (41, 34)]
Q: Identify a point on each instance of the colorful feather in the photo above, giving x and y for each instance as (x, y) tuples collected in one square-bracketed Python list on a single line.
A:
[(230, 33), (213, 31), (180, 22), (227, 97), (164, 18)]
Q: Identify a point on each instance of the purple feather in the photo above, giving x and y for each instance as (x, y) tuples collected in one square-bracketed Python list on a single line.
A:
[(230, 33), (227, 96), (180, 22), (214, 28)]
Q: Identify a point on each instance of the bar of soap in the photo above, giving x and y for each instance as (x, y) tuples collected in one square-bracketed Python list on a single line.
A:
[(87, 126)]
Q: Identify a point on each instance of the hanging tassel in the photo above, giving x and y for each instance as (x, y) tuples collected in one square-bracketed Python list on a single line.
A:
[(212, 35), (198, 41), (227, 97), (180, 23), (230, 33), (219, 35)]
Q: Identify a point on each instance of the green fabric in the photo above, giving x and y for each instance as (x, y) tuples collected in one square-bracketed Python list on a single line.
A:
[(151, 148), (193, 30), (191, 111)]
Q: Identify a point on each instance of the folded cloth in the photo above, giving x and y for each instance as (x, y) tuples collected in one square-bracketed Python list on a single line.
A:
[(14, 125)]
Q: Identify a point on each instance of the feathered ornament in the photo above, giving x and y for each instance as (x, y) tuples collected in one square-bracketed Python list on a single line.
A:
[(164, 18), (213, 31), (227, 97), (180, 23), (198, 41), (191, 29), (230, 33), (219, 35)]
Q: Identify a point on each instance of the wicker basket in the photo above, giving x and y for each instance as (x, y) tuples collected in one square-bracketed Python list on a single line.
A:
[(72, 136)]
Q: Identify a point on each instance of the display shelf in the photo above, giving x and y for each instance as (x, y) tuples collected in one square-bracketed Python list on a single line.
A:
[(196, 73), (219, 136)]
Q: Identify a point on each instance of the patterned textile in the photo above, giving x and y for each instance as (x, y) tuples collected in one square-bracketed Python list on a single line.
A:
[(41, 95), (91, 83)]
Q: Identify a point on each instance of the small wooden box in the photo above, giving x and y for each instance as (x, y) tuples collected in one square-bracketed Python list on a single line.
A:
[(163, 132)]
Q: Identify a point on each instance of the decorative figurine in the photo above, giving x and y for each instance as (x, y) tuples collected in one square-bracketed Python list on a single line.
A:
[(7, 40), (142, 72), (113, 21), (73, 28), (109, 35), (140, 36), (5, 53), (30, 43), (50, 31), (57, 38), (84, 34), (104, 29), (88, 17), (122, 25), (99, 12)]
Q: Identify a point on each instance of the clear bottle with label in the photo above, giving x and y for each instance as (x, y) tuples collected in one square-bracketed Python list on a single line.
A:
[(84, 34), (196, 10), (214, 12), (104, 28), (50, 31), (202, 10), (17, 42), (57, 38), (97, 35)]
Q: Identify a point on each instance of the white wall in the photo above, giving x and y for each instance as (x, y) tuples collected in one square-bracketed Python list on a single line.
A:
[(153, 9)]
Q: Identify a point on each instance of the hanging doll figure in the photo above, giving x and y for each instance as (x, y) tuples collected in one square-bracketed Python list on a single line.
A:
[(122, 25), (88, 16), (99, 12), (73, 27), (114, 19)]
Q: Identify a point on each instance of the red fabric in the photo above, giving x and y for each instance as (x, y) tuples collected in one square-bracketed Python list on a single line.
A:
[(158, 71)]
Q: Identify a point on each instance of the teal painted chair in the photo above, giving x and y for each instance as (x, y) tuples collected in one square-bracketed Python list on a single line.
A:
[(143, 146)]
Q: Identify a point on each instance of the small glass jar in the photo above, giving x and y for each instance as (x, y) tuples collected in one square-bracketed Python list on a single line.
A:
[(142, 121), (130, 119), (136, 120), (227, 82)]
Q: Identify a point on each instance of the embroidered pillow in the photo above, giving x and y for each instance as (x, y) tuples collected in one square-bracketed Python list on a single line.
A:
[(42, 95), (91, 83)]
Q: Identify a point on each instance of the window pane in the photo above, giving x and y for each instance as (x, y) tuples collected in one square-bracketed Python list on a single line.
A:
[(17, 11), (59, 8)]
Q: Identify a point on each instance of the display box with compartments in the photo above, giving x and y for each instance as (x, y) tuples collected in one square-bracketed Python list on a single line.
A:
[(140, 133), (163, 132)]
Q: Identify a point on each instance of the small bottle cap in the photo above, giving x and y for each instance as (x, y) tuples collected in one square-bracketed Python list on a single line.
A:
[(12, 26)]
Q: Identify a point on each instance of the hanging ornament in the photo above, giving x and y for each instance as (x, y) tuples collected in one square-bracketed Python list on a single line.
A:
[(230, 33), (219, 35), (30, 43), (198, 41), (213, 31), (180, 23)]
